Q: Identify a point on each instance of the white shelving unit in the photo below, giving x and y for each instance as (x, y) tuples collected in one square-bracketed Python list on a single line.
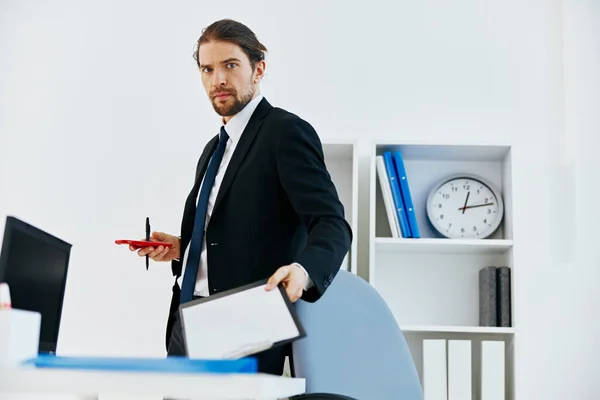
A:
[(443, 246), (432, 283), (341, 160)]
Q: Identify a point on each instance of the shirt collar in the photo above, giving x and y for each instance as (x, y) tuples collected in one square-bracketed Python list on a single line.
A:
[(238, 122)]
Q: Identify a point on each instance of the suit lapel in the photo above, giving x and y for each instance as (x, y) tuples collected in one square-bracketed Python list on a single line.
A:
[(246, 139)]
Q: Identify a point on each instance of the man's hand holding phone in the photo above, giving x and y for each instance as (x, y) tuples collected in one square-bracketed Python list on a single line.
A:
[(160, 253)]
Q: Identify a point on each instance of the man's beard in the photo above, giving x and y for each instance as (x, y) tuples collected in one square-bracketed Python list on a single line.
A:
[(239, 102)]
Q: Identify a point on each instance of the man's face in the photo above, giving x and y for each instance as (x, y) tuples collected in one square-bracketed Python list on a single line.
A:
[(227, 76)]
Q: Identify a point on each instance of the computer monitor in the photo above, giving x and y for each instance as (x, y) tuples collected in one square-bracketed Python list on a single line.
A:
[(34, 263)]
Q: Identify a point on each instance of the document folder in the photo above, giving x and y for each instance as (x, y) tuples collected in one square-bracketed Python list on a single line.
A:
[(239, 322), (173, 364)]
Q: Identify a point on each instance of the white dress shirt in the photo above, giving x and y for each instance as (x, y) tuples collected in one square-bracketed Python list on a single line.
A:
[(235, 127)]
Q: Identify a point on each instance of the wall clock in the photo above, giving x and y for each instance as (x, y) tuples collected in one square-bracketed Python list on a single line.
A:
[(465, 206)]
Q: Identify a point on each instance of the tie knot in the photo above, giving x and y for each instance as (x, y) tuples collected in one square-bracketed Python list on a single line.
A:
[(223, 136)]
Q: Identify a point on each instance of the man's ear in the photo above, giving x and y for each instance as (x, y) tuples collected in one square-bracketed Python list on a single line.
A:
[(259, 71)]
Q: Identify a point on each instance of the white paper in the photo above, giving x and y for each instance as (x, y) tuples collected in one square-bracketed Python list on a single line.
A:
[(237, 325)]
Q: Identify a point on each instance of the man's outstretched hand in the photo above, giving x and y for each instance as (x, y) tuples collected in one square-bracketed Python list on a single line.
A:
[(292, 277)]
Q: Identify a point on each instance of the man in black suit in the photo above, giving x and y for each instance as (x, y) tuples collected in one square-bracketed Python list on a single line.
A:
[(263, 204)]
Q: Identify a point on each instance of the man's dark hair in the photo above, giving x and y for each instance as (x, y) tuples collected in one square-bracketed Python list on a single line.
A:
[(228, 30)]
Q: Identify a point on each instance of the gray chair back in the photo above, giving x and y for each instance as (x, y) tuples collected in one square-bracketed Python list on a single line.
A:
[(354, 346)]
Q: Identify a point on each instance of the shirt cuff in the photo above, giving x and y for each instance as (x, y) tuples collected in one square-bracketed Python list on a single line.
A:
[(309, 283)]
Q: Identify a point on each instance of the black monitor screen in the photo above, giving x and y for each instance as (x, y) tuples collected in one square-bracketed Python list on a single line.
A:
[(34, 264)]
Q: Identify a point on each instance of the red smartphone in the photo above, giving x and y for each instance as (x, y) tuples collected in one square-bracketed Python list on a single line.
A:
[(142, 243)]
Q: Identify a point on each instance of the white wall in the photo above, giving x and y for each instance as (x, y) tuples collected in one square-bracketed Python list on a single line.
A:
[(579, 271), (95, 95)]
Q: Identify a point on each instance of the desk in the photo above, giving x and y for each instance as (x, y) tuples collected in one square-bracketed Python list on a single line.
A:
[(147, 385)]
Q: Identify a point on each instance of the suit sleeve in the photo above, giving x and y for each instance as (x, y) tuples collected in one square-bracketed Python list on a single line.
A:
[(305, 179)]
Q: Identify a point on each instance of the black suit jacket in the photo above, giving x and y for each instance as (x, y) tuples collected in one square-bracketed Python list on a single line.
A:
[(276, 205)]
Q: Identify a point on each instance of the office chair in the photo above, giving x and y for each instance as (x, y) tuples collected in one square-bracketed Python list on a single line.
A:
[(322, 396), (354, 346)]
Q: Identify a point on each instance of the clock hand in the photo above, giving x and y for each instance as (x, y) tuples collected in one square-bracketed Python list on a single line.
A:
[(466, 200), (477, 205), (486, 200)]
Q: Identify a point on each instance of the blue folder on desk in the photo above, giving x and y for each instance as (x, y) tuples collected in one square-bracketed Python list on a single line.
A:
[(174, 364)]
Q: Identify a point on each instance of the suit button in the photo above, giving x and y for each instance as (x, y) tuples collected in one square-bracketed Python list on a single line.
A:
[(214, 244), (328, 280)]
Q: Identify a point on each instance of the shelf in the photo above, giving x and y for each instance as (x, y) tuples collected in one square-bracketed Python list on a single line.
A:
[(486, 330), (443, 246), (432, 284), (448, 151), (342, 164), (428, 165)]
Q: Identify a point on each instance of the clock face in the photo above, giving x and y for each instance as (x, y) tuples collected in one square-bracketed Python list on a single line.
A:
[(465, 207)]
